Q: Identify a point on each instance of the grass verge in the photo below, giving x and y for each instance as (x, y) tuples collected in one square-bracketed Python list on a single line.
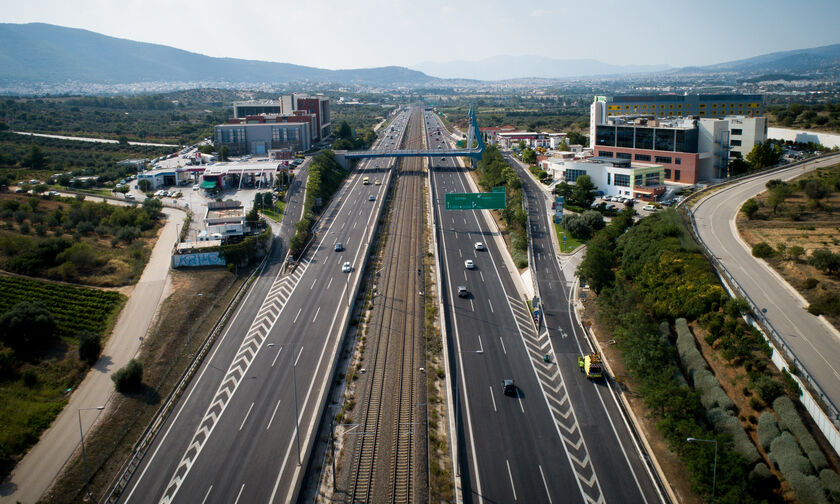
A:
[(571, 243)]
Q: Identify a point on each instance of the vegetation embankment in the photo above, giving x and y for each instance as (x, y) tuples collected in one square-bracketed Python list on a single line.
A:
[(79, 241), (325, 177), (793, 226), (493, 171), (524, 113), (819, 116), (714, 379), (49, 335), (177, 118), (185, 319)]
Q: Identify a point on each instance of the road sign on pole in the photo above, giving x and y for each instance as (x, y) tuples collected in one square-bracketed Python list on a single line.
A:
[(475, 201)]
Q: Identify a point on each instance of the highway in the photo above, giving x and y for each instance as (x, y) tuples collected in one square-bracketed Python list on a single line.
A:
[(552, 440), (811, 339), (245, 425)]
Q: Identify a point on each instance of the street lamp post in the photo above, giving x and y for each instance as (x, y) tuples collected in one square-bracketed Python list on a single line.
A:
[(714, 469), (84, 455)]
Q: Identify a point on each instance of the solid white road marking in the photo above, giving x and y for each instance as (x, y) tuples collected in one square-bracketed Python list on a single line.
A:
[(207, 494), (246, 418), (275, 357), (510, 475), (545, 484), (272, 415), (239, 494)]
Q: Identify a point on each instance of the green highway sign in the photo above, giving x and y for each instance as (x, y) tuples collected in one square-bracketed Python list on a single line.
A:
[(500, 188), (475, 201)]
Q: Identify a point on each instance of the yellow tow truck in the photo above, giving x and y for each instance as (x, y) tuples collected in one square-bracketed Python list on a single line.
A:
[(591, 365)]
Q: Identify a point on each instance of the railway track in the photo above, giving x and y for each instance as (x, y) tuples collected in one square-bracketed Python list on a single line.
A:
[(385, 458)]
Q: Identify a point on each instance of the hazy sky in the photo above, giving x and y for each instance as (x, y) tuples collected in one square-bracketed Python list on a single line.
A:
[(366, 33)]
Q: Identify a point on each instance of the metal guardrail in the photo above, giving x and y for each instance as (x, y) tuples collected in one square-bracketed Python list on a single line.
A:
[(758, 315), (139, 450)]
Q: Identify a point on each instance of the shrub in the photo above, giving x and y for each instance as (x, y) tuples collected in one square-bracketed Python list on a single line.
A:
[(129, 378), (89, 347), (789, 419), (30, 378), (826, 303), (824, 259), (830, 480), (795, 252), (810, 283), (786, 455), (750, 207), (723, 421), (807, 488), (762, 250), (767, 430), (791, 385), (768, 388)]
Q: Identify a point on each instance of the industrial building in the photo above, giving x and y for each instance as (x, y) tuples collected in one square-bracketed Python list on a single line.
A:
[(290, 105), (262, 136)]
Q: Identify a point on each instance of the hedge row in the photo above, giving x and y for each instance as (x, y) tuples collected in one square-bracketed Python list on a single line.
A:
[(789, 419), (767, 430), (711, 393), (724, 421), (665, 338)]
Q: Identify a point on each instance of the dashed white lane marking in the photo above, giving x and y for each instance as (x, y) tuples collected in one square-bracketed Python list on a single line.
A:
[(510, 475), (246, 416)]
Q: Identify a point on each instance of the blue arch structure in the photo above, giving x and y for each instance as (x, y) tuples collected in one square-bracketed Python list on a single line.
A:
[(473, 134)]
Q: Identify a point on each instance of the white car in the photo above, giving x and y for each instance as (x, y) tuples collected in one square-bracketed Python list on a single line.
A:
[(479, 246), (196, 187), (469, 264), (345, 268), (651, 208)]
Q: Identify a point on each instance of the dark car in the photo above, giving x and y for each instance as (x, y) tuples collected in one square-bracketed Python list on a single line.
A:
[(339, 247), (508, 387)]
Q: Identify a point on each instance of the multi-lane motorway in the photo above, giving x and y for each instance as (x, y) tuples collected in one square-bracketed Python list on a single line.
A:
[(558, 438), (245, 425)]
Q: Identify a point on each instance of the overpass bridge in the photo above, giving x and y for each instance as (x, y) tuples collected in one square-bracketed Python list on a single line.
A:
[(473, 137)]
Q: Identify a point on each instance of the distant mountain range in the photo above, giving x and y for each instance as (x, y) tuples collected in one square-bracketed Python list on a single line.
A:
[(44, 53), (524, 66), (795, 61), (39, 52)]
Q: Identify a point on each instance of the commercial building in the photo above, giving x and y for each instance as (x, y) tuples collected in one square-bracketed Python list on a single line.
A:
[(165, 178), (689, 149), (290, 105), (260, 137), (612, 176), (236, 175)]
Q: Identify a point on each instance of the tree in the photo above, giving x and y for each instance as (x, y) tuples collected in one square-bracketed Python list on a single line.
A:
[(121, 189), (563, 146), (764, 154), (815, 189), (129, 378), (577, 138), (583, 193), (27, 327), (144, 185), (596, 266), (750, 207), (152, 207), (824, 259), (521, 145), (123, 140), (89, 347), (762, 250), (738, 166), (224, 153), (777, 196), (345, 131), (529, 156), (35, 159), (795, 252)]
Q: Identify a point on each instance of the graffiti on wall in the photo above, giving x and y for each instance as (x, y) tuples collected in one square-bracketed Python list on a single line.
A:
[(196, 260)]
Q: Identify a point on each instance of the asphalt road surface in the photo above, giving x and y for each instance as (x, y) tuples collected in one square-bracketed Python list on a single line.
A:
[(234, 436), (550, 441), (812, 340)]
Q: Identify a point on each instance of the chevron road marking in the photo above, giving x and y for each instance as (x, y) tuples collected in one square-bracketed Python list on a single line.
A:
[(556, 398), (267, 315)]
